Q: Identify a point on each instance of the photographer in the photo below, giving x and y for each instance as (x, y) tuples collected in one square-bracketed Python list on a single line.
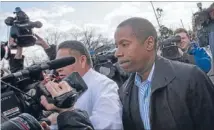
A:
[(193, 53), (100, 101)]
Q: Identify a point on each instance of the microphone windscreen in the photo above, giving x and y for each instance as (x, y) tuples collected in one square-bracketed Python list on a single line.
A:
[(62, 62)]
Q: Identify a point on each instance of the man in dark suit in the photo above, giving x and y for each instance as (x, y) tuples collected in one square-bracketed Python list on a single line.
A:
[(160, 94)]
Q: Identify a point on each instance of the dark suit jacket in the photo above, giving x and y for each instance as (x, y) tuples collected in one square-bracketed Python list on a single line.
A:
[(182, 98), (74, 120)]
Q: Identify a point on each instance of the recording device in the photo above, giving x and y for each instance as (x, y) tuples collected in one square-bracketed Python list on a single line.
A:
[(201, 21), (21, 28), (169, 48), (20, 92), (22, 122), (106, 63)]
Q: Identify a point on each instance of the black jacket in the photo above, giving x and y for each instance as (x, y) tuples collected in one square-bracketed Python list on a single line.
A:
[(16, 64), (74, 120), (182, 98)]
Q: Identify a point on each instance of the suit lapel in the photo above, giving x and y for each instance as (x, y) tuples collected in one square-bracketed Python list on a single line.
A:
[(136, 110), (163, 73), (162, 76)]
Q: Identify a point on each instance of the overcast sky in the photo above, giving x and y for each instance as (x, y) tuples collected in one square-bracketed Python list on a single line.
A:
[(104, 16)]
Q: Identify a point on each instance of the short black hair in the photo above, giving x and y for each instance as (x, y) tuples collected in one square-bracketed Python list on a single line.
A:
[(141, 27), (76, 46)]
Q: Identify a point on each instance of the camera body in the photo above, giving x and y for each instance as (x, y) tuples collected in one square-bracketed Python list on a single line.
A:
[(169, 48), (105, 63), (21, 28), (26, 101), (21, 122)]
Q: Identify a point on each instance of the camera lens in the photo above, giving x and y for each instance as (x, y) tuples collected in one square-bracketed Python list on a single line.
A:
[(22, 122)]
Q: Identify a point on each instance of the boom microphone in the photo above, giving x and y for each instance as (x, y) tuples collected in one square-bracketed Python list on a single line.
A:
[(35, 70)]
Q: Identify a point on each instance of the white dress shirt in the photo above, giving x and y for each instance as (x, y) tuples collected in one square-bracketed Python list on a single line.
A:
[(101, 102)]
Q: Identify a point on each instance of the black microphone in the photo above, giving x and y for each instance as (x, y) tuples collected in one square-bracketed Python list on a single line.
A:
[(59, 63), (35, 70)]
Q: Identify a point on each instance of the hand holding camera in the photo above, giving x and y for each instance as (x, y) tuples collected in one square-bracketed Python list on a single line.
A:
[(56, 90), (63, 94), (41, 42)]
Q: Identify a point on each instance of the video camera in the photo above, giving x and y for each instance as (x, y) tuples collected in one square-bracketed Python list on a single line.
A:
[(22, 122), (18, 97), (169, 48), (201, 21), (106, 63), (21, 28)]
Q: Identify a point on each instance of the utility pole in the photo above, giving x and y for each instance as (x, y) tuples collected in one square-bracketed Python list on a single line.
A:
[(155, 14), (182, 23)]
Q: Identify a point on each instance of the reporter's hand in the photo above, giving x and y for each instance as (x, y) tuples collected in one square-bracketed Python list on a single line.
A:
[(47, 105), (18, 53), (41, 42), (11, 42), (45, 126), (55, 90), (53, 118), (58, 89)]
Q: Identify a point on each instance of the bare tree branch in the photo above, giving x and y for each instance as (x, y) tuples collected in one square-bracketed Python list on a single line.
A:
[(53, 36), (88, 36)]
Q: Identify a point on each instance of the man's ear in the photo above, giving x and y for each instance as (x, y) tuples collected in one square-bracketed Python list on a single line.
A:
[(83, 61), (150, 43)]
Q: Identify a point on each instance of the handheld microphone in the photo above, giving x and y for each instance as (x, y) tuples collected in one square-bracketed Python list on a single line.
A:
[(35, 70)]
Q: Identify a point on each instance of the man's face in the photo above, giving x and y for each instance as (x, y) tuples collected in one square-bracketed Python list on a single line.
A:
[(132, 55), (185, 41), (78, 66)]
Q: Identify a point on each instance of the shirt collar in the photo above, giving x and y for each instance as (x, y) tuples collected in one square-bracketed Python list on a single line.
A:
[(149, 79), (87, 75)]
